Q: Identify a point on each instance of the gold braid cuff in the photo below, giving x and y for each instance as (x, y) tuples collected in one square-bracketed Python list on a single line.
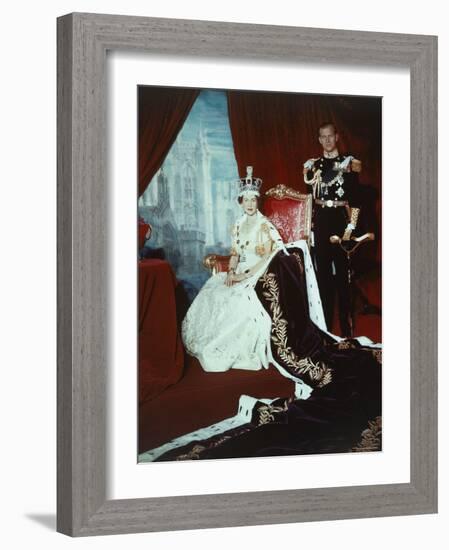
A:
[(354, 219), (355, 212)]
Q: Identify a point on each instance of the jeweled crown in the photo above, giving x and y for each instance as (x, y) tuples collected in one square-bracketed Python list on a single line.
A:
[(249, 184)]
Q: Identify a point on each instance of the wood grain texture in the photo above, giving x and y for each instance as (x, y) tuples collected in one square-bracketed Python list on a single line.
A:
[(83, 40), (64, 279), (423, 274)]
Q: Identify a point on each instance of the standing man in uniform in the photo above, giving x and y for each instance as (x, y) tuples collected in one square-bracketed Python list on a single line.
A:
[(333, 181)]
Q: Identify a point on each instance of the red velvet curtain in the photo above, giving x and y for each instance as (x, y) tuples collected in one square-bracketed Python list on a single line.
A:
[(277, 132), (162, 112)]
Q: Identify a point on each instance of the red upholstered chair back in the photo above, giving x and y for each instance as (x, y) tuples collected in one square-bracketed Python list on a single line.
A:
[(290, 212)]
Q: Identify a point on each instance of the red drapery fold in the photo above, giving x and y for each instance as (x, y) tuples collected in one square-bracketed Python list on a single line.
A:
[(162, 112)]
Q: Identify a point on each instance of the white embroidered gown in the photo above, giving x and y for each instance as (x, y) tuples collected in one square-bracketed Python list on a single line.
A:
[(227, 327)]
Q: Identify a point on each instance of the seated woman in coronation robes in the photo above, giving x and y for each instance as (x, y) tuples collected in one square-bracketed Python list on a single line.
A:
[(226, 327), (266, 310)]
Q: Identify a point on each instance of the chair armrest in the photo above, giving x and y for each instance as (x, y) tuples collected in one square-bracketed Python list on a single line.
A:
[(216, 263)]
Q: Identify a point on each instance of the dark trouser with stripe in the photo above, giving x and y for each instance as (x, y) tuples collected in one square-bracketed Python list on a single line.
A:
[(328, 222)]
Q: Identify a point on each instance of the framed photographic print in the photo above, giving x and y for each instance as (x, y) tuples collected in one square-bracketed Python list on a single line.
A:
[(228, 326)]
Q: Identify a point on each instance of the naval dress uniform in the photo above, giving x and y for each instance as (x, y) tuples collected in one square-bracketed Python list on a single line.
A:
[(334, 185)]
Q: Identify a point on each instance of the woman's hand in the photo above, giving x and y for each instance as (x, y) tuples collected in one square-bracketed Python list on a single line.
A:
[(230, 278), (233, 278)]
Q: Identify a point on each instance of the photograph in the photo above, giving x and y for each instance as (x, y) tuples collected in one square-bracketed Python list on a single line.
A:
[(259, 273)]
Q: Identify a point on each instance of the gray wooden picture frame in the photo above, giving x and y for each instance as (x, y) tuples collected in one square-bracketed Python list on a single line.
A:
[(83, 40)]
